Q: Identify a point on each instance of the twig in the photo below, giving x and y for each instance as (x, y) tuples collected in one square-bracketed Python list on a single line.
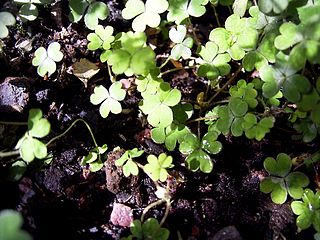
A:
[(9, 154), (13, 123), (177, 69)]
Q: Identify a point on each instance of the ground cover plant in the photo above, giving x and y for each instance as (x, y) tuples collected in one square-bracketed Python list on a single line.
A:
[(192, 119)]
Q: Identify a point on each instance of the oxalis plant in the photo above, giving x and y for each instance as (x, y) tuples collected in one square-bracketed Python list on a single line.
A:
[(258, 64)]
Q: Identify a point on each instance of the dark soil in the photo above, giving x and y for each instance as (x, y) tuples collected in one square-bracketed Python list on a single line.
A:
[(61, 200)]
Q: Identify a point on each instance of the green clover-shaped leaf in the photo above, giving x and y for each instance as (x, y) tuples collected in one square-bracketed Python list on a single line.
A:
[(38, 126), (150, 229), (91, 10), (145, 14), (213, 64), (197, 151), (109, 99), (255, 129), (272, 7), (290, 35), (127, 163), (237, 37), (210, 144), (182, 47), (158, 106), (307, 210), (94, 158), (280, 166), (96, 10), (45, 59), (133, 57), (157, 166), (179, 10), (199, 159), (281, 181), (102, 37), (6, 19), (11, 223)]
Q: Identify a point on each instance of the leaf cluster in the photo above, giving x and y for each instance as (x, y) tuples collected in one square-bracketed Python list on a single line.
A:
[(144, 14), (101, 39), (308, 210), (157, 167), (11, 223), (93, 159), (176, 131), (179, 10), (158, 106), (282, 181), (132, 56), (90, 10)]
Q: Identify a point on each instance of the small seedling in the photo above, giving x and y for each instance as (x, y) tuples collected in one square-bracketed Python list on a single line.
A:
[(246, 92), (144, 14), (150, 229), (134, 57), (6, 19), (101, 39), (183, 45), (127, 163), (156, 167), (94, 158), (109, 99), (29, 146), (281, 181), (45, 59), (198, 151), (308, 210), (91, 10), (10, 226), (29, 11), (158, 106)]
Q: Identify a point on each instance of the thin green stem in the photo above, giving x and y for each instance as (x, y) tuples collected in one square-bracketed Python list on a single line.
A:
[(69, 128), (165, 62), (151, 205), (231, 79), (193, 32), (9, 154), (176, 69), (216, 16), (201, 119), (112, 78), (13, 123), (166, 213)]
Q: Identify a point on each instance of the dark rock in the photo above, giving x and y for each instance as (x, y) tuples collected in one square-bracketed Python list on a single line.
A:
[(227, 233), (14, 94)]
